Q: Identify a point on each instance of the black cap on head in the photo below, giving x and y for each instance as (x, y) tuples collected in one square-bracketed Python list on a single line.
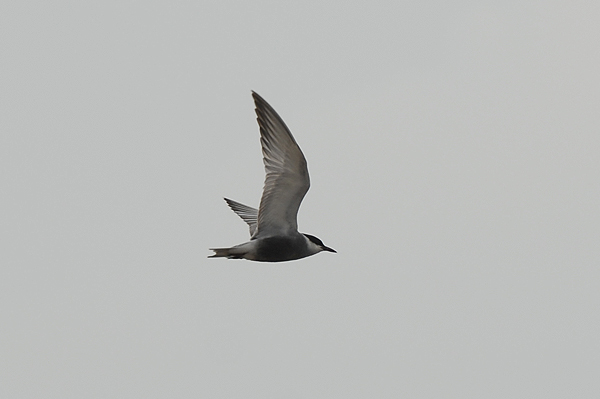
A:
[(317, 241)]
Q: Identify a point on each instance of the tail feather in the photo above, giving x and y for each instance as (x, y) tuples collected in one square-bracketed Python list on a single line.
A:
[(228, 253), (237, 252), (220, 252)]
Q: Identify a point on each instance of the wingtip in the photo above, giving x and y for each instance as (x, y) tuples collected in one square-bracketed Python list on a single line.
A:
[(257, 97), (228, 201)]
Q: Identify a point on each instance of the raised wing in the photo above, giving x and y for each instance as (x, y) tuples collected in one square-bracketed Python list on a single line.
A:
[(247, 213), (286, 181)]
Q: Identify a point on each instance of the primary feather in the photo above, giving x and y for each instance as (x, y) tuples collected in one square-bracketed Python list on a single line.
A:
[(286, 181), (247, 213)]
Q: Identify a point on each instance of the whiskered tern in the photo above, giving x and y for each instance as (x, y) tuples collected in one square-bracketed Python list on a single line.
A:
[(274, 235)]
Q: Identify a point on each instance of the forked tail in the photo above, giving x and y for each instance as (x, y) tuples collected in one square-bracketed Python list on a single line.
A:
[(246, 250), (229, 253), (219, 252)]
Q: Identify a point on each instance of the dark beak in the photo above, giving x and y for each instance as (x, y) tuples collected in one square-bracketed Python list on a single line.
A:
[(328, 249)]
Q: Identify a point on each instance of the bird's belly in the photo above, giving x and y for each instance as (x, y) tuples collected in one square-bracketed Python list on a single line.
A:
[(278, 249)]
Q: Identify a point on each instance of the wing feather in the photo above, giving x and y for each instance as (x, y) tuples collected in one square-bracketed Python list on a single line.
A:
[(247, 213), (286, 181)]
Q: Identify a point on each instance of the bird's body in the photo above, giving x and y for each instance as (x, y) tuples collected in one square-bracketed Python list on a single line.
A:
[(273, 227)]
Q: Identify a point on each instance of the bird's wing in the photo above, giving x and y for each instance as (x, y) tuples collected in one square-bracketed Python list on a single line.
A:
[(286, 181), (247, 213)]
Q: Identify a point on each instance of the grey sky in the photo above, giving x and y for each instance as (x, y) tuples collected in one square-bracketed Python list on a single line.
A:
[(453, 151)]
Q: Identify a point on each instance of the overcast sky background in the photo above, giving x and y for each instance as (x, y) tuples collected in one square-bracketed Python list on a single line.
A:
[(454, 157)]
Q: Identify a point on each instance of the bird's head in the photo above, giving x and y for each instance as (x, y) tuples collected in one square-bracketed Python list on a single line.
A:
[(318, 245)]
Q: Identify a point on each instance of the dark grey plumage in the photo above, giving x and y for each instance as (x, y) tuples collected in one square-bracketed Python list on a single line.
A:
[(273, 227)]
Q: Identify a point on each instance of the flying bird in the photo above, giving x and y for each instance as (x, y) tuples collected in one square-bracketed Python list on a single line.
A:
[(274, 235)]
